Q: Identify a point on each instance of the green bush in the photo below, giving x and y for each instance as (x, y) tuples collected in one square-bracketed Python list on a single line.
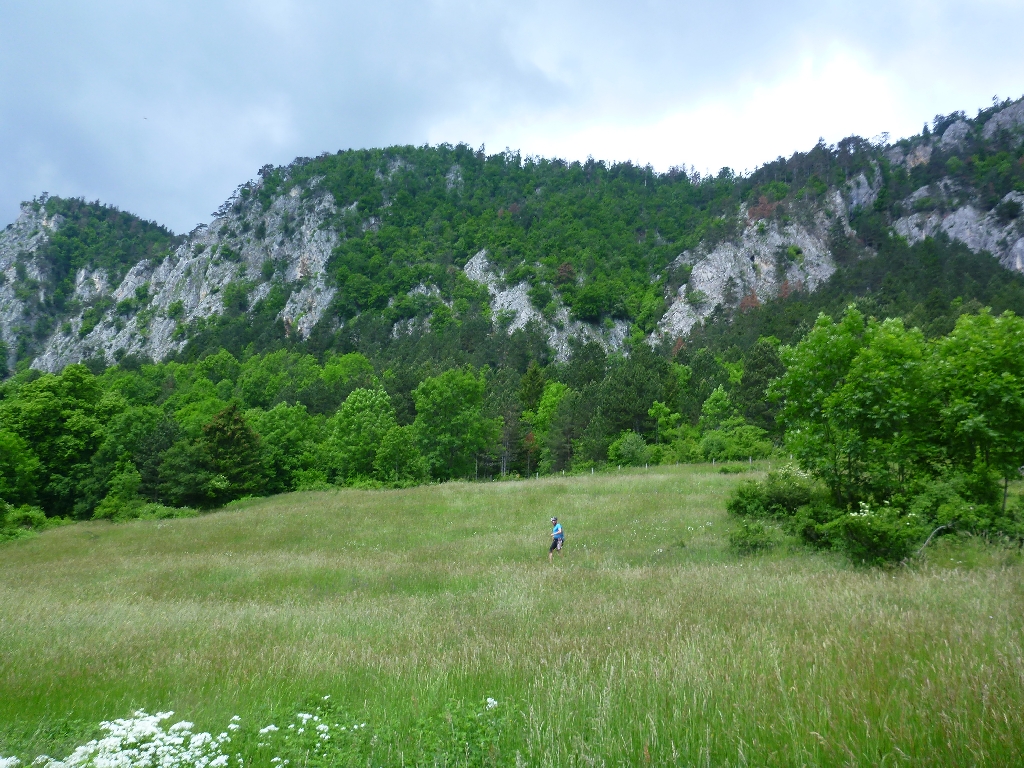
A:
[(753, 536), (733, 443), (24, 521), (872, 536), (629, 450), (779, 495)]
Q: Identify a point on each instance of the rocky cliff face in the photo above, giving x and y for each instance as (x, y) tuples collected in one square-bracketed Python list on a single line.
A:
[(511, 308), (771, 257), (952, 208), (978, 230), (20, 274), (244, 247)]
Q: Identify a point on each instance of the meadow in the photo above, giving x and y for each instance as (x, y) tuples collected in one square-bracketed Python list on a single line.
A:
[(649, 642)]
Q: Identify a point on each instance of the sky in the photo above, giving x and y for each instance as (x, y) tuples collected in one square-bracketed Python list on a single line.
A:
[(163, 108)]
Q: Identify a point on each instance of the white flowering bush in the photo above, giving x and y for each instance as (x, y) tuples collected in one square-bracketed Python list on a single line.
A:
[(142, 742)]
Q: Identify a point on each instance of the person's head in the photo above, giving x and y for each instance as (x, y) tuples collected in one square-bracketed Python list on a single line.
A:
[(554, 520)]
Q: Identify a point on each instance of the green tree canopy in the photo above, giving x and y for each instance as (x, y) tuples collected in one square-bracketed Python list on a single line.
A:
[(450, 423), (357, 431)]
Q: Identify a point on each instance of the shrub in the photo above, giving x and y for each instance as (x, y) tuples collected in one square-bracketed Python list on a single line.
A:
[(735, 443), (873, 536), (684, 450), (629, 450), (753, 536), (24, 521), (779, 495), (748, 500)]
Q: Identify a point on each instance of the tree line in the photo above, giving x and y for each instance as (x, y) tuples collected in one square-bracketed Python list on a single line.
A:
[(142, 439), (897, 437)]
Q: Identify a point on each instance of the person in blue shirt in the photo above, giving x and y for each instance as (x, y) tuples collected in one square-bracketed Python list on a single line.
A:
[(557, 539)]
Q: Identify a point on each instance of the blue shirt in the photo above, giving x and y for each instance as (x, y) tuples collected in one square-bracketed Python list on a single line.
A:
[(557, 531)]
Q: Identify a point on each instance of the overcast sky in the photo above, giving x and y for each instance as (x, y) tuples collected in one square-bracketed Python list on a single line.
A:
[(164, 107)]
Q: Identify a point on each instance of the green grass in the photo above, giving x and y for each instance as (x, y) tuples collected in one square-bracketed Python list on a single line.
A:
[(648, 642)]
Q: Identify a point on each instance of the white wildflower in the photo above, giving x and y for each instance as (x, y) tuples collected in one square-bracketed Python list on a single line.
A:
[(142, 742), (491, 703), (269, 729), (235, 719), (9, 762), (323, 727)]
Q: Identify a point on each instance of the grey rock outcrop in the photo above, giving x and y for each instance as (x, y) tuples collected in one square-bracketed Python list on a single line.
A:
[(862, 193), (978, 230), (511, 307), (1010, 118), (19, 264), (189, 284), (768, 259), (954, 136)]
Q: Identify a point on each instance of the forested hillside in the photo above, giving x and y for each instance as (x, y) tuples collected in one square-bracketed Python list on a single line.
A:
[(408, 314)]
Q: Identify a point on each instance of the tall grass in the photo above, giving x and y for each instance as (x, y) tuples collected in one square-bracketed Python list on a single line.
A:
[(647, 643)]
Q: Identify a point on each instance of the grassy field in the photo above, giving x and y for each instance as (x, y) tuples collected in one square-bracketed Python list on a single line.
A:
[(647, 643)]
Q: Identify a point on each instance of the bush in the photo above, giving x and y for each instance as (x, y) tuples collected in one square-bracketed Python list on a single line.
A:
[(873, 536), (735, 443), (136, 509), (684, 451), (870, 536), (24, 521), (753, 536), (779, 495), (630, 450)]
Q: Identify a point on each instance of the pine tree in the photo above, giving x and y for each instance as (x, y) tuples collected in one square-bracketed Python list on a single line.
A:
[(236, 452)]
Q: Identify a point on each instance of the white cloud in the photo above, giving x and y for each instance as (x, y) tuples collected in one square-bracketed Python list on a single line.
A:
[(743, 126)]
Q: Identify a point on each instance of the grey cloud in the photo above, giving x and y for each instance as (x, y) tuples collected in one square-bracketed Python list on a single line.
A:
[(163, 108)]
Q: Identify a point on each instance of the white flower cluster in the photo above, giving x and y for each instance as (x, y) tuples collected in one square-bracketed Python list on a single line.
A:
[(304, 720), (9, 762), (141, 742), (865, 511)]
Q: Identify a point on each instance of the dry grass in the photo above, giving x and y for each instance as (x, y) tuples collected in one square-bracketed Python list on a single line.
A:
[(647, 643)]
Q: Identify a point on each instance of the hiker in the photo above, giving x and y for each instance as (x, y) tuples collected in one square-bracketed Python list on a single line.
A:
[(557, 539)]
